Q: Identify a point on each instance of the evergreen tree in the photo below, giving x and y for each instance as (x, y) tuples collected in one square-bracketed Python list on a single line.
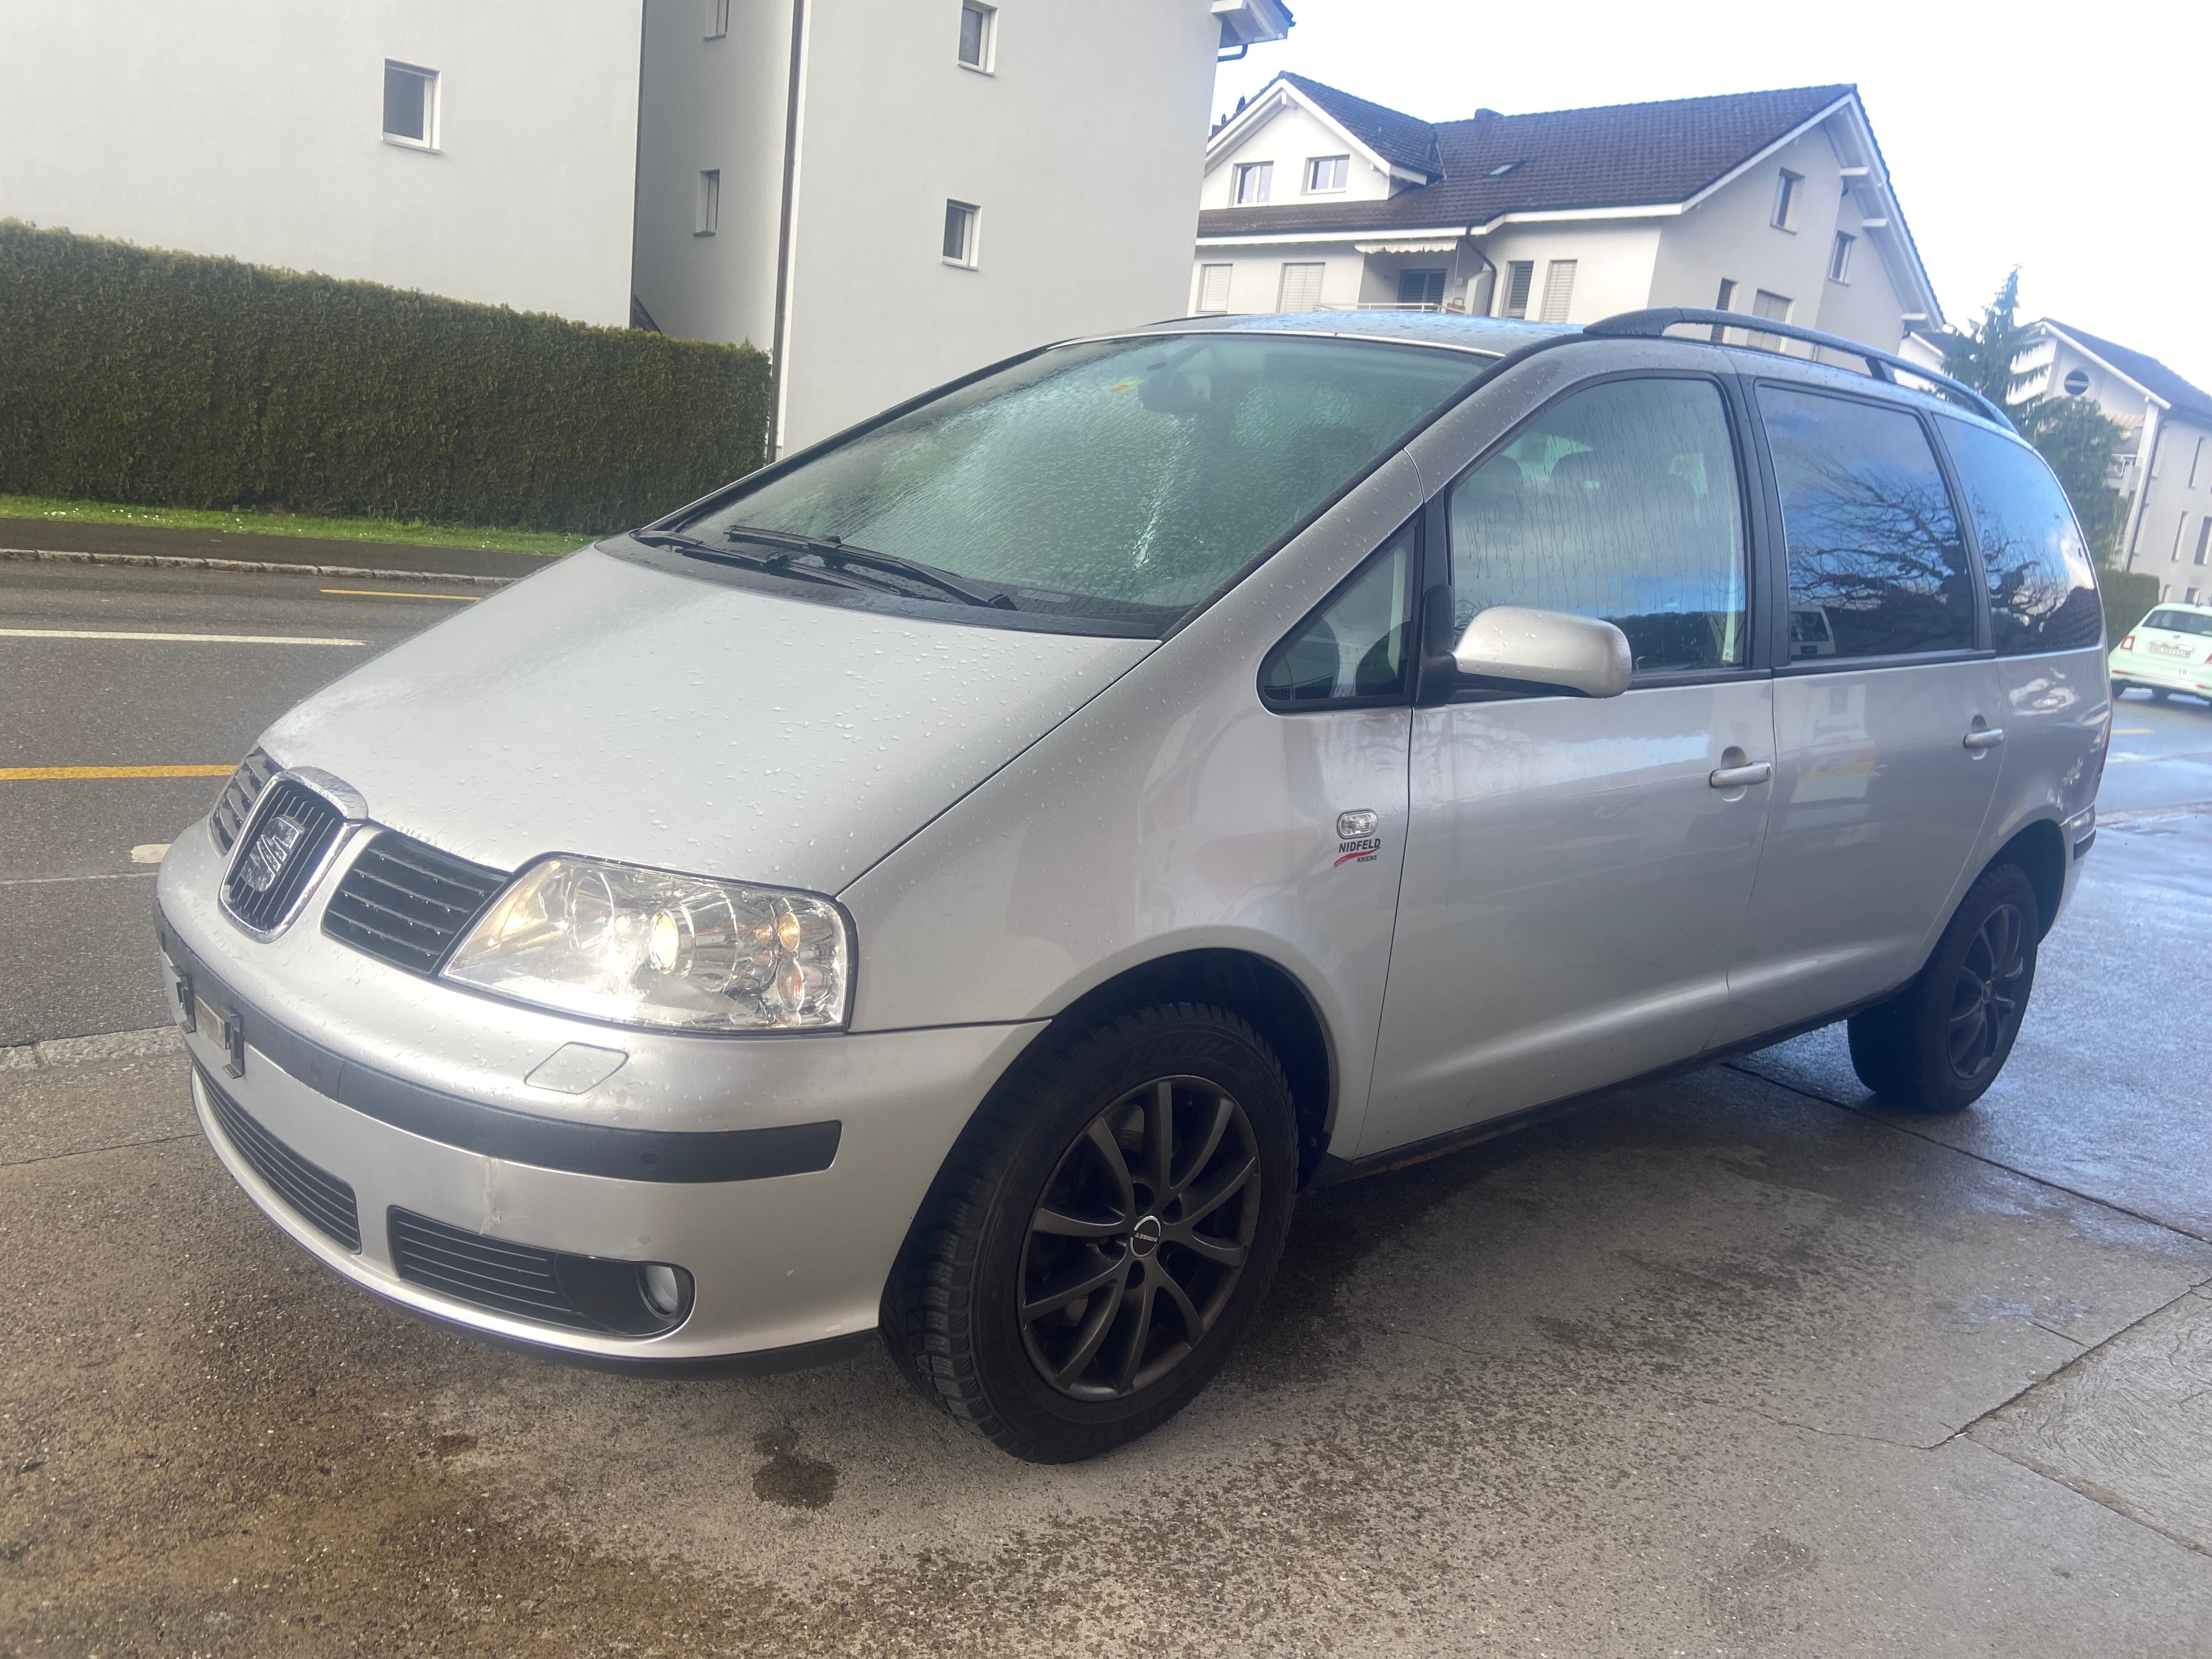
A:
[(2072, 433)]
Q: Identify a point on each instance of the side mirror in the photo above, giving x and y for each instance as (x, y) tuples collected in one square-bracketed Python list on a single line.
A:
[(1547, 648)]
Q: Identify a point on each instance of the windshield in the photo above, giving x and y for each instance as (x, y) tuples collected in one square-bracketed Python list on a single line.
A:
[(2179, 622), (1127, 479)]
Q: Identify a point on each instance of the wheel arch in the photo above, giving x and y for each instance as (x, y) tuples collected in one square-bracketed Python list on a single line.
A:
[(1262, 993), (2040, 852)]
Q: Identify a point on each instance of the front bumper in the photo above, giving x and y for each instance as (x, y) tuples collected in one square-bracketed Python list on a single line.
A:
[(414, 1095)]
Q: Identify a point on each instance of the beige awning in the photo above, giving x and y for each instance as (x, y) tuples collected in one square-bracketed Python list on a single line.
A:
[(1406, 247)]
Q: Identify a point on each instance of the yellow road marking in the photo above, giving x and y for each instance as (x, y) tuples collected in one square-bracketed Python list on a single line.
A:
[(41, 774), (384, 593)]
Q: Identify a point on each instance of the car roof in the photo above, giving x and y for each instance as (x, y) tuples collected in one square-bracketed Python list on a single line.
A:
[(2177, 604), (1495, 336)]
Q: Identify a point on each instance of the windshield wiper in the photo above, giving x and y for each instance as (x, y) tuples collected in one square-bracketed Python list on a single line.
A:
[(836, 554), (774, 564)]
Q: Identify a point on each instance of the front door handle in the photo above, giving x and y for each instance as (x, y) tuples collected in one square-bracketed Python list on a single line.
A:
[(1735, 777), (1985, 740)]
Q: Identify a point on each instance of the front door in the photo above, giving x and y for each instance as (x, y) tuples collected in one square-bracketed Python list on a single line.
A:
[(1574, 881), (1888, 725)]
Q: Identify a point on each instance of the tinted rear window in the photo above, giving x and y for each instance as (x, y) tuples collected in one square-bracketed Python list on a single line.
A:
[(1877, 563), (1130, 479), (2179, 622), (2043, 591)]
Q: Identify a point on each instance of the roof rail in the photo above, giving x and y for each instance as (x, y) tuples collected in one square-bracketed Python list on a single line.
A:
[(1881, 365)]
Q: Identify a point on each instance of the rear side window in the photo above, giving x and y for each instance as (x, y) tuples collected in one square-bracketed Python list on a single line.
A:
[(1877, 564), (2179, 622), (1353, 648), (2043, 590), (1620, 503)]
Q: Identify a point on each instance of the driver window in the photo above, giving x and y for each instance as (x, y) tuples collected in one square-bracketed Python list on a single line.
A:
[(1620, 503)]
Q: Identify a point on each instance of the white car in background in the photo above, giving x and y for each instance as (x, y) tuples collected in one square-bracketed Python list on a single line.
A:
[(2168, 651)]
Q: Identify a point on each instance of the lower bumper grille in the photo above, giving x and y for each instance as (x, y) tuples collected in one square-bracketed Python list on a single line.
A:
[(316, 1195), (549, 1288)]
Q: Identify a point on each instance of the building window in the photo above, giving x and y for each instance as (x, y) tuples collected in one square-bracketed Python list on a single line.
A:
[(2189, 596), (2196, 463), (1776, 307), (1725, 302), (2180, 535), (2078, 382), (707, 212), (1424, 288), (978, 35), (1326, 173), (1213, 287), (1559, 290), (2204, 540), (1256, 182), (1840, 257), (1785, 200), (1301, 289), (410, 105), (960, 219), (1519, 274), (717, 19)]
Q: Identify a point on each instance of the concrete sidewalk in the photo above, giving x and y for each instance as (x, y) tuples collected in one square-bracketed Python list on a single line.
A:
[(130, 541), (1730, 1364)]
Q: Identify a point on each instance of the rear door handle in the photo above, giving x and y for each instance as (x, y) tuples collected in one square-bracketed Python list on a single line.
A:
[(1735, 777), (1989, 740)]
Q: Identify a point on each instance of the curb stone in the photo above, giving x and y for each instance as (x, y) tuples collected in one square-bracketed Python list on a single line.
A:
[(262, 566)]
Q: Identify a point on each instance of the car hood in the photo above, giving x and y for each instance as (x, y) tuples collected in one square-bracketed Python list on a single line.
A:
[(606, 708)]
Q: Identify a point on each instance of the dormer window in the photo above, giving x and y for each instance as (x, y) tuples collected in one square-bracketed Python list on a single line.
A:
[(1503, 168), (1785, 200), (1256, 182), (1325, 173)]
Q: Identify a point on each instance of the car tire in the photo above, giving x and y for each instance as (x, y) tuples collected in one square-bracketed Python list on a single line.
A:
[(1939, 1043), (1164, 1240), (2119, 689), (2160, 694)]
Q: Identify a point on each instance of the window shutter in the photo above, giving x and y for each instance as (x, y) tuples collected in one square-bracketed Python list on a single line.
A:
[(1559, 290), (1518, 275), (1213, 287), (1301, 289)]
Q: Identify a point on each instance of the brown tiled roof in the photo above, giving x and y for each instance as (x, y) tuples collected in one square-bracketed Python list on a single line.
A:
[(1615, 155), (2152, 375)]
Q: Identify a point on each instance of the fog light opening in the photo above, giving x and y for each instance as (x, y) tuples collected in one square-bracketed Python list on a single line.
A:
[(665, 1289)]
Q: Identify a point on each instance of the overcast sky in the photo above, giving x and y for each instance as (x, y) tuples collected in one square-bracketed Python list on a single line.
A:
[(2074, 144)]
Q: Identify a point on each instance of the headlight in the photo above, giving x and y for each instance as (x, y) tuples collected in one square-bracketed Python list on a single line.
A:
[(651, 948)]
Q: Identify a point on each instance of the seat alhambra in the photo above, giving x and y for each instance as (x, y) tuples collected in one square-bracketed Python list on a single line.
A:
[(956, 885)]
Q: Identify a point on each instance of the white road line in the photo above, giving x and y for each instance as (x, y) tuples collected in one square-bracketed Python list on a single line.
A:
[(192, 639)]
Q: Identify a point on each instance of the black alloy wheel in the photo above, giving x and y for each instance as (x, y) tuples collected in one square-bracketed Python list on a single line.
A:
[(1989, 996), (1140, 1239), (1940, 1042), (1102, 1232)]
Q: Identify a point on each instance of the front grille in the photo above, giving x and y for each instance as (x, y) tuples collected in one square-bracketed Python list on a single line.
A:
[(548, 1287), (239, 795), (287, 871), (316, 1195), (405, 904)]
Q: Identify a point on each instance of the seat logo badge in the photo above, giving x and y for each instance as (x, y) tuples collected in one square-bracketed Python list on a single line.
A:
[(271, 850), (1356, 840)]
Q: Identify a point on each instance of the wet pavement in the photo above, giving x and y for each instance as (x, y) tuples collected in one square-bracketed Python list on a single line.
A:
[(1731, 1364)]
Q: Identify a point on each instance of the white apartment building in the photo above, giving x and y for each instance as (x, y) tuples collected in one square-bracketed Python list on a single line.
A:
[(883, 193), (2168, 530), (1773, 203)]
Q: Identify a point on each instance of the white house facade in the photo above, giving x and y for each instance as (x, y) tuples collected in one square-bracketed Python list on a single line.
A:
[(882, 193), (2168, 530), (1772, 203)]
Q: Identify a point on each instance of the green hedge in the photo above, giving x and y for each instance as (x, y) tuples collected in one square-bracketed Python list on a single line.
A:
[(130, 374), (2128, 600)]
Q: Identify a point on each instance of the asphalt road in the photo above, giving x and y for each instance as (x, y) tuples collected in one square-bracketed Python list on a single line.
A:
[(1737, 1363), (75, 937)]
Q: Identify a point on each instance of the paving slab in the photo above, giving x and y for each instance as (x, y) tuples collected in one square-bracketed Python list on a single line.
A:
[(1697, 1370)]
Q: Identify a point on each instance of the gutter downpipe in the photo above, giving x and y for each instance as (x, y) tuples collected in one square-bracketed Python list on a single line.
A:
[(780, 348), (2146, 457)]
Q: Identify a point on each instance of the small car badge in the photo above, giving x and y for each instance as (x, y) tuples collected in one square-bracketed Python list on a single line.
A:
[(271, 850), (1356, 840)]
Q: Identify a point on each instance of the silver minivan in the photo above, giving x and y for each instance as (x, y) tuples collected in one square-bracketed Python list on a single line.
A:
[(957, 884)]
